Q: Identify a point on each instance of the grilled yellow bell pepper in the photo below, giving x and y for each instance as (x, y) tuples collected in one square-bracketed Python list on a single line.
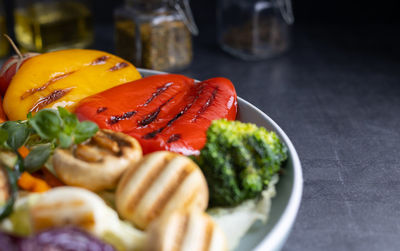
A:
[(63, 78)]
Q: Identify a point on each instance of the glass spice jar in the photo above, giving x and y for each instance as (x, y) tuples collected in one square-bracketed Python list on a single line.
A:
[(254, 29), (155, 34), (46, 25)]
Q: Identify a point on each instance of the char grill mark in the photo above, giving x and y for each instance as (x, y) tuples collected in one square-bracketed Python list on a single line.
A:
[(206, 104), (118, 66), (159, 91), (115, 119), (101, 109), (173, 138), (153, 134), (147, 182), (100, 60), (44, 101), (149, 118), (208, 235), (176, 117), (179, 238), (169, 191), (47, 84)]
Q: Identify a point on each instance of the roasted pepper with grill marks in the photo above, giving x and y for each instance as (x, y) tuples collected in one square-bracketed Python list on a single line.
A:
[(164, 112), (63, 78)]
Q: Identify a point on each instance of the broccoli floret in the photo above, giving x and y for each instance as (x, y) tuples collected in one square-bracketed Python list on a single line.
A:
[(238, 161)]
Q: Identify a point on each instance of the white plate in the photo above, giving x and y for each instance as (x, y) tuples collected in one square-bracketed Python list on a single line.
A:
[(270, 236)]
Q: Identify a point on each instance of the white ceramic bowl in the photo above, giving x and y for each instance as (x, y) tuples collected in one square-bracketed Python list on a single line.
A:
[(270, 236)]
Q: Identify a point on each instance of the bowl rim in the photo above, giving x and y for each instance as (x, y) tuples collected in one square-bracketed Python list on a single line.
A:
[(283, 226), (279, 233)]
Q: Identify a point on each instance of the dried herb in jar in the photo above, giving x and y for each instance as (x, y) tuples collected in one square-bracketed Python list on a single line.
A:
[(154, 36)]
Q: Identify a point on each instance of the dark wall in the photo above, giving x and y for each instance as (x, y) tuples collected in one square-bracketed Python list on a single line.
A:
[(346, 11), (306, 11)]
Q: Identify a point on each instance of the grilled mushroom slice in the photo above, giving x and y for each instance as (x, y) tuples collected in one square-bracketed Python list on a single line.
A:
[(99, 163), (159, 184), (186, 231)]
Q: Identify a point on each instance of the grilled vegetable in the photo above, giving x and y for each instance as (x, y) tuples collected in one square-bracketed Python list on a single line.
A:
[(3, 116), (10, 68), (239, 161), (164, 112), (159, 184), (186, 231), (12, 65), (72, 206), (30, 183), (97, 164), (63, 78), (58, 239), (69, 206)]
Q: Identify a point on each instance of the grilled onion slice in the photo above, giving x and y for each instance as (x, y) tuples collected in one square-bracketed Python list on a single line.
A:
[(159, 184), (99, 163)]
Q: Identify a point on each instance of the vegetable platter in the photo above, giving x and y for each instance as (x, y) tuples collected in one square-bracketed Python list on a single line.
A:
[(98, 155)]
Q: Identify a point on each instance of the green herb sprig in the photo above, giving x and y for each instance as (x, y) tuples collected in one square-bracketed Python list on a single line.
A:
[(41, 133)]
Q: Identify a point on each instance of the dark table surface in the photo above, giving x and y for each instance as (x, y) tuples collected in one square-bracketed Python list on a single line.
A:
[(336, 94)]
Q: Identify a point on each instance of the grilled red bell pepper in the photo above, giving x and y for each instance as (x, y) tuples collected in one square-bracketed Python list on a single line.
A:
[(164, 112)]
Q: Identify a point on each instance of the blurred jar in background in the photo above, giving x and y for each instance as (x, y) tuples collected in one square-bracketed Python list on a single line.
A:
[(4, 46), (46, 25), (254, 29), (155, 34)]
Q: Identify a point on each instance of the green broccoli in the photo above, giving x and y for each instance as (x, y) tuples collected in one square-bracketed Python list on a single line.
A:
[(238, 161)]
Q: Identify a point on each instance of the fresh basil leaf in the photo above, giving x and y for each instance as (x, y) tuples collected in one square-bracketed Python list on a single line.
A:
[(37, 157), (84, 131), (70, 120), (17, 133), (3, 138), (47, 124), (34, 139), (65, 140)]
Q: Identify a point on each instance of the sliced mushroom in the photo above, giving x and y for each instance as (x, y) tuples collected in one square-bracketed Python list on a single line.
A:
[(159, 184), (186, 231), (99, 163)]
